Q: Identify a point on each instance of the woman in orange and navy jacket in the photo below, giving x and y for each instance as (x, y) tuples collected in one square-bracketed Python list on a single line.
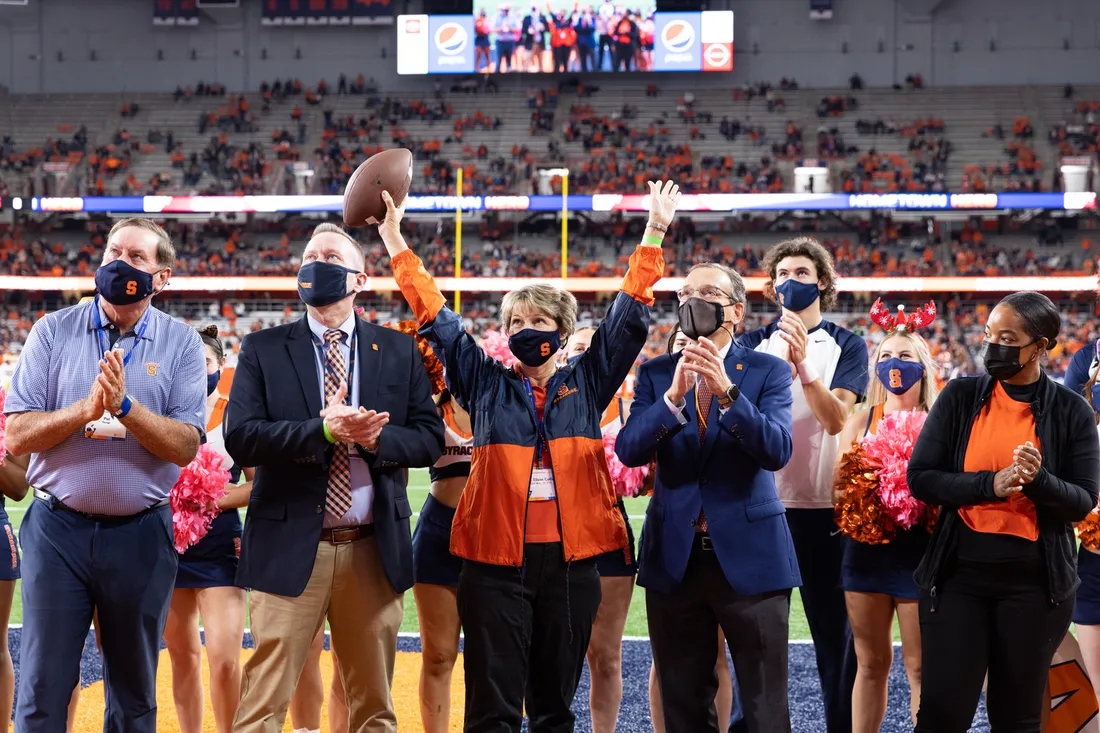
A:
[(1012, 459), (539, 505)]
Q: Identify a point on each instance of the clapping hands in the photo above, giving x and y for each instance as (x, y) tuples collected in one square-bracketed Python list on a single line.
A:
[(350, 425)]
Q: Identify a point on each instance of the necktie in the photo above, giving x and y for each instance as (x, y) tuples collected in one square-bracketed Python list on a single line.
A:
[(703, 400), (338, 497)]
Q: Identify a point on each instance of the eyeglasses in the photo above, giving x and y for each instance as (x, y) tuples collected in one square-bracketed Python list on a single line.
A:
[(707, 293)]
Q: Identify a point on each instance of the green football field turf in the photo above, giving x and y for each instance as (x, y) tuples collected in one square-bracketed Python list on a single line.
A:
[(418, 492)]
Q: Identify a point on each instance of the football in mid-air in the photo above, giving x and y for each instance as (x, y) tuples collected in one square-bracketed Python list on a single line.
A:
[(390, 170)]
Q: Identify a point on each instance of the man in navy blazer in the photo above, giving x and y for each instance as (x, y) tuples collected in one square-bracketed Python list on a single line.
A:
[(715, 548), (331, 411)]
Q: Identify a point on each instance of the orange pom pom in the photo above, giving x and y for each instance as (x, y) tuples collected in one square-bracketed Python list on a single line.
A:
[(859, 512), (1088, 530), (432, 364)]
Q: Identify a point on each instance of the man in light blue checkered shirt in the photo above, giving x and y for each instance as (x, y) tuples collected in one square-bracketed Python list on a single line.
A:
[(109, 399)]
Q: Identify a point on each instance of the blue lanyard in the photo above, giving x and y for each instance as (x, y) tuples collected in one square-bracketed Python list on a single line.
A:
[(541, 437), (325, 366), (105, 343)]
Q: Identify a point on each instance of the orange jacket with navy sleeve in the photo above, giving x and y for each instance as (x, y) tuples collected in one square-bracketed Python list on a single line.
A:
[(490, 521)]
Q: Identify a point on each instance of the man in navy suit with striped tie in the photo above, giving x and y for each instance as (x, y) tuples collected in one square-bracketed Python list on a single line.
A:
[(332, 411), (715, 549)]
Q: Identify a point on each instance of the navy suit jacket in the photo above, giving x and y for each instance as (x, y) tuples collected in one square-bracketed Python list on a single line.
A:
[(730, 475), (273, 423)]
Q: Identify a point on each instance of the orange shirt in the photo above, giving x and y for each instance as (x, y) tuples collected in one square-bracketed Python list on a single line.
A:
[(542, 516), (1002, 425)]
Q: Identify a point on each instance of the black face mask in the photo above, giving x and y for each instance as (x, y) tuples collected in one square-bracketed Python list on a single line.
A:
[(120, 283), (1002, 362), (699, 317), (323, 283)]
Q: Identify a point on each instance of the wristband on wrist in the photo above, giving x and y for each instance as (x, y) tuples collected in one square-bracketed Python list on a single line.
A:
[(328, 434), (655, 225), (124, 409), (807, 372), (652, 239)]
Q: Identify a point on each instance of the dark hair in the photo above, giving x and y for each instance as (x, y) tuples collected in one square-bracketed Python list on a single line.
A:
[(209, 336), (811, 249), (1040, 315), (672, 338)]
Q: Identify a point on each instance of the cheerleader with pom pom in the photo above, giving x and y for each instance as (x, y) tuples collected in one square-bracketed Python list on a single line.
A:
[(209, 543), (885, 544)]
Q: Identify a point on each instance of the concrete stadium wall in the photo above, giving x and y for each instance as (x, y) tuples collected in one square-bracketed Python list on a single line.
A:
[(774, 38)]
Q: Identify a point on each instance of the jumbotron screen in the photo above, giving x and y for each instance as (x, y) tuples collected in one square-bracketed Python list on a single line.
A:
[(560, 37)]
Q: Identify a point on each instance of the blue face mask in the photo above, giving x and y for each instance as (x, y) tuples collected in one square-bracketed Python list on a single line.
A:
[(120, 283), (533, 347), (323, 283), (1096, 396), (899, 376), (212, 382), (796, 296)]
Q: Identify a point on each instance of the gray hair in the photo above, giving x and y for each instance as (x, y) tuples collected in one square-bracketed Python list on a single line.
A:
[(559, 304), (737, 285)]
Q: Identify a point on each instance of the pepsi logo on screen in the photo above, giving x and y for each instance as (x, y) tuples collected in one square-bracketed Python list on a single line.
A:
[(677, 37), (450, 44), (678, 46), (451, 39)]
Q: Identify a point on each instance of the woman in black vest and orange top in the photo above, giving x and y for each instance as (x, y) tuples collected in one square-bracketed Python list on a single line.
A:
[(1012, 459)]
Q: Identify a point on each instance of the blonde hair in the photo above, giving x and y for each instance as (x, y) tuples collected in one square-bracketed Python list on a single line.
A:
[(166, 252), (559, 304), (330, 228), (876, 393)]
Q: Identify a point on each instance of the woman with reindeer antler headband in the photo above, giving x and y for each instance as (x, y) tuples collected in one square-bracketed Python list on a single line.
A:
[(1012, 459), (880, 556)]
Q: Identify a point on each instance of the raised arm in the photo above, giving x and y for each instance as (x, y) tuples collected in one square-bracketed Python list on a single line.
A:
[(622, 334), (465, 362)]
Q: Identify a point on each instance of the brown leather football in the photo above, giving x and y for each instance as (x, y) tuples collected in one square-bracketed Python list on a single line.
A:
[(390, 170)]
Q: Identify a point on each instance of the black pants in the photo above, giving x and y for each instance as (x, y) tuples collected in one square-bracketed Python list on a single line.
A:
[(995, 618), (683, 629), (74, 565), (561, 59), (526, 634), (606, 44), (624, 54), (820, 551)]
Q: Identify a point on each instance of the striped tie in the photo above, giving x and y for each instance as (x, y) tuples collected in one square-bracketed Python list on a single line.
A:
[(338, 498), (704, 400)]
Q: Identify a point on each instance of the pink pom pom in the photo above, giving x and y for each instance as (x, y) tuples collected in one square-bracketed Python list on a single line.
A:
[(201, 483), (889, 449), (495, 345), (627, 481), (3, 427)]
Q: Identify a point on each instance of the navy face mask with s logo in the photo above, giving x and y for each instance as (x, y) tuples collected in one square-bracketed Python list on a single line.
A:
[(534, 347), (120, 283), (899, 376)]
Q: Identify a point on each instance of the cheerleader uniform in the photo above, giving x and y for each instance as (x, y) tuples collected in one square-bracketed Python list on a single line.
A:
[(9, 568), (212, 561), (433, 563), (886, 569), (1087, 610), (617, 563)]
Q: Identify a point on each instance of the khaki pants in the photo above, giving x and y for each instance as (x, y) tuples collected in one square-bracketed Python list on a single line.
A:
[(349, 586)]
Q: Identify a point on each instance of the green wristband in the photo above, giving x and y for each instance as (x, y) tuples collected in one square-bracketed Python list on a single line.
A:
[(652, 239), (328, 435)]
